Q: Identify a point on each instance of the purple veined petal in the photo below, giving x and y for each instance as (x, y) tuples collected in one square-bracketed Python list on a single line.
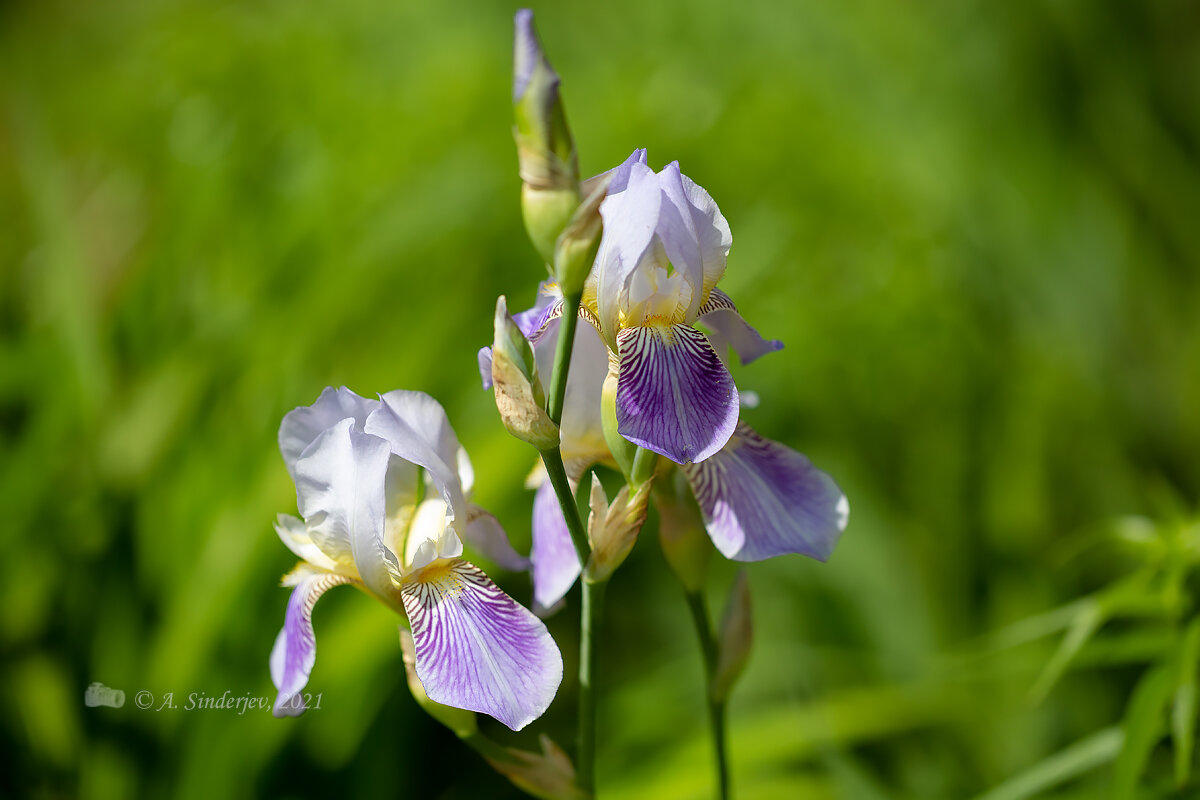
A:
[(630, 217), (477, 648), (534, 322), (730, 329), (760, 499), (485, 366), (417, 429), (301, 426), (340, 488), (295, 649), (674, 394), (485, 533), (555, 562)]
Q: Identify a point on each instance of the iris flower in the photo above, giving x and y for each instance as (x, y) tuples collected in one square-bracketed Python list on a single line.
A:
[(661, 255), (759, 498), (382, 488)]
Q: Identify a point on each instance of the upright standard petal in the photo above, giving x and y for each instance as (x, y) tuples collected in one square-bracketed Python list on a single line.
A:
[(729, 329), (555, 562), (760, 499), (674, 394), (476, 648), (340, 484), (301, 426), (630, 217), (418, 431), (295, 649)]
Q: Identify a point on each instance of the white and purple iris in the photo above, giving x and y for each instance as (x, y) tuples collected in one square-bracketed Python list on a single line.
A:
[(663, 250), (382, 488), (661, 255)]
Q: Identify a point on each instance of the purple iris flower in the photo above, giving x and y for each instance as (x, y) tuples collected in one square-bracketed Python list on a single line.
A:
[(759, 498), (662, 253), (383, 491)]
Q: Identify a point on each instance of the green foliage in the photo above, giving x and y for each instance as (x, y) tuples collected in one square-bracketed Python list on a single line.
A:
[(973, 225)]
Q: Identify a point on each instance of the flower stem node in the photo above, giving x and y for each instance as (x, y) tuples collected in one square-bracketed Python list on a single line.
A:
[(613, 529), (519, 395), (734, 639), (549, 166)]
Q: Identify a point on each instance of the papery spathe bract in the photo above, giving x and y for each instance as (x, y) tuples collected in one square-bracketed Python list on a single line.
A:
[(362, 469)]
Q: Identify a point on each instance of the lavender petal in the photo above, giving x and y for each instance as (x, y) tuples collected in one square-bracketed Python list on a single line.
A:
[(729, 329), (555, 562), (674, 395), (760, 499), (295, 649), (477, 648)]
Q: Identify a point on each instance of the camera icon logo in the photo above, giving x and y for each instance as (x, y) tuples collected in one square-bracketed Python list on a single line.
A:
[(98, 694)]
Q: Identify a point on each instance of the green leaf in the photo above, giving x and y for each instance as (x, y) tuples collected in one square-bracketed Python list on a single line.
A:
[(1183, 708), (1087, 621), (1069, 763), (1144, 725)]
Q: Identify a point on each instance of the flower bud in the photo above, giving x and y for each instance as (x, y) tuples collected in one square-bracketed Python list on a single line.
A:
[(549, 775), (518, 390), (685, 544), (613, 529), (734, 638), (576, 249), (545, 151), (459, 720)]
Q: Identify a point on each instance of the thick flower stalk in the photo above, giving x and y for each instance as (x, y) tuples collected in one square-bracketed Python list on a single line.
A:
[(382, 488)]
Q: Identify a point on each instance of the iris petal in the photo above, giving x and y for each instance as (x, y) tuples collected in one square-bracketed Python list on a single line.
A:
[(418, 431), (674, 394), (486, 535), (729, 329), (555, 562), (295, 649), (340, 492), (760, 499), (477, 648), (301, 426), (629, 220)]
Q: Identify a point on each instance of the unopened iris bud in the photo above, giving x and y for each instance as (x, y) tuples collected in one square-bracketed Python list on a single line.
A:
[(519, 395), (734, 638), (685, 543), (613, 529), (548, 164), (459, 720), (578, 244)]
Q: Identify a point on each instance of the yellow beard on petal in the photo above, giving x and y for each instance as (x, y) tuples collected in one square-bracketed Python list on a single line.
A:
[(442, 576)]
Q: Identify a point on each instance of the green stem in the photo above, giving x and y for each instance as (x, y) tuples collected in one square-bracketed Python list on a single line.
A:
[(716, 708), (644, 462), (589, 624), (562, 358), (566, 501), (592, 593)]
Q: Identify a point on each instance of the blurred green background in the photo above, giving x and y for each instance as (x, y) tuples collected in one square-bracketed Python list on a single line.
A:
[(976, 226)]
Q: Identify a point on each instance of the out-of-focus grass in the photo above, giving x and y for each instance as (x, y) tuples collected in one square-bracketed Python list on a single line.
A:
[(973, 225)]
